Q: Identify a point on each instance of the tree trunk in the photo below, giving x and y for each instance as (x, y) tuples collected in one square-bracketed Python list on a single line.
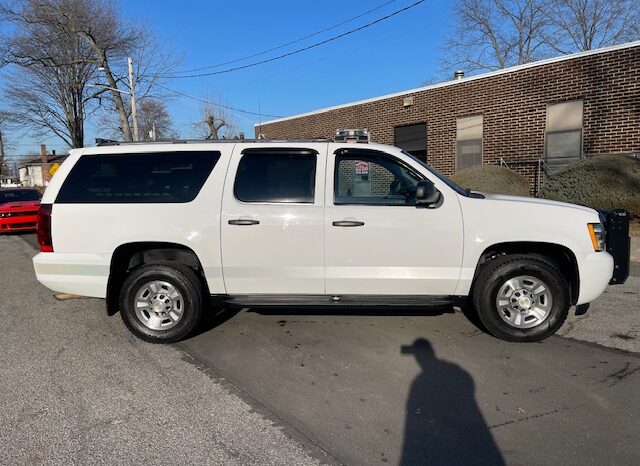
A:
[(117, 98)]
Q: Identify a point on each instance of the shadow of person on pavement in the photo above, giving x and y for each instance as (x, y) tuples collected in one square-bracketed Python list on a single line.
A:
[(443, 422)]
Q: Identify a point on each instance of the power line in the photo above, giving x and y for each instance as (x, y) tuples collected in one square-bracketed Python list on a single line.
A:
[(288, 43), (264, 77), (304, 49), (239, 110)]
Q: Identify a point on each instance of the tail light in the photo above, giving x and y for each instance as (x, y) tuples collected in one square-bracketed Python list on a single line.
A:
[(44, 228)]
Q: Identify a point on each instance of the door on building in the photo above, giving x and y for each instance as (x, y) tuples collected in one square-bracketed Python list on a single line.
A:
[(412, 139), (376, 241)]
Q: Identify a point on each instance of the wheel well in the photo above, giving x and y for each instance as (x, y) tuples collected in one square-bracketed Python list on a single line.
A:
[(562, 256), (133, 255)]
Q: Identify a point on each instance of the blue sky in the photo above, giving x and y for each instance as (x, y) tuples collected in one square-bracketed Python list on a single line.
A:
[(397, 54)]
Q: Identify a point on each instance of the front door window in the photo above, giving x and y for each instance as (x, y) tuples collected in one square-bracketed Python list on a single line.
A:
[(373, 180)]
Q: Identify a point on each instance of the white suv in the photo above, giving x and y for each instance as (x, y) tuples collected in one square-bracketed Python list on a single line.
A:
[(158, 228)]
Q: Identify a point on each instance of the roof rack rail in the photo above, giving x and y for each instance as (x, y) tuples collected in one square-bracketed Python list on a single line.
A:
[(107, 142)]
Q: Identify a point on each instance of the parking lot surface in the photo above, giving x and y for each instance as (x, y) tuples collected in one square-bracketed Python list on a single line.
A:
[(77, 388), (295, 387)]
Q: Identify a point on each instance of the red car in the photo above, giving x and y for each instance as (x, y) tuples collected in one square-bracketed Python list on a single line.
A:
[(18, 209)]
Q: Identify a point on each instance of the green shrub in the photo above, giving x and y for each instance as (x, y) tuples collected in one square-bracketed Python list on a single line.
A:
[(604, 181), (492, 179)]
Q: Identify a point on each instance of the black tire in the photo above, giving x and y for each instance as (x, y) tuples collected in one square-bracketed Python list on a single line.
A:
[(496, 272), (185, 280)]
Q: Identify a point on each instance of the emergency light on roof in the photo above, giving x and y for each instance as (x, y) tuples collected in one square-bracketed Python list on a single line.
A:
[(355, 135)]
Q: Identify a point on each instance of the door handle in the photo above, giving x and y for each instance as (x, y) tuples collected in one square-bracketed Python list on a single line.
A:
[(347, 223), (243, 222)]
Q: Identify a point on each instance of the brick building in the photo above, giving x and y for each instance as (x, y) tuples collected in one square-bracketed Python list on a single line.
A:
[(535, 118)]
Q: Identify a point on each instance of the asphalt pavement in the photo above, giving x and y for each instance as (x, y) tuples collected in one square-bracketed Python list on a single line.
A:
[(77, 388), (296, 387), (431, 389)]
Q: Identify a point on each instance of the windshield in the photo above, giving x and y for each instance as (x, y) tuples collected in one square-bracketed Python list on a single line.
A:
[(456, 187), (20, 195)]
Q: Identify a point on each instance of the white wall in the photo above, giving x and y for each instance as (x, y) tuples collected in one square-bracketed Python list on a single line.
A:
[(31, 176), (9, 183)]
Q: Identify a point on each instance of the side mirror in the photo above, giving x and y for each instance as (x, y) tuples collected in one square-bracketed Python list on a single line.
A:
[(426, 194)]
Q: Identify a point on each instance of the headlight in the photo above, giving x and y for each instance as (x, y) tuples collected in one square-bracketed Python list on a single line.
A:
[(596, 232), (4, 214)]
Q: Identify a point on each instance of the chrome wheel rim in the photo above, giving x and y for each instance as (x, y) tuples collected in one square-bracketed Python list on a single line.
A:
[(524, 301), (159, 305)]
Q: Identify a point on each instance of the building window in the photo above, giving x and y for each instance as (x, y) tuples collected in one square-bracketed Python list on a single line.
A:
[(413, 139), (563, 135), (468, 142)]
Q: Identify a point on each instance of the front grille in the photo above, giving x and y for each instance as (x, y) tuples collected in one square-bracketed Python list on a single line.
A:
[(22, 214), (616, 222), (17, 226)]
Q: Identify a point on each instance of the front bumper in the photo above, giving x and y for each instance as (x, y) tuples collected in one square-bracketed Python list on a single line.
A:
[(18, 223), (595, 270)]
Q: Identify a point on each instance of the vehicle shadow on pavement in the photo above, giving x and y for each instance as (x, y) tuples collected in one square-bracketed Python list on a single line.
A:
[(213, 317), (433, 310), (443, 422)]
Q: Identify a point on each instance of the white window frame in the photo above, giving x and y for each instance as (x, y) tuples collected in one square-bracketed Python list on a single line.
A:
[(463, 140), (564, 129)]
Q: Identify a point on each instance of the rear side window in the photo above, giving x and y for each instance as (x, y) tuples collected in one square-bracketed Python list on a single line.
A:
[(159, 177), (276, 176)]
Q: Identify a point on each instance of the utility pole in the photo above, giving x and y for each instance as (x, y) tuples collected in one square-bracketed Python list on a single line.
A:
[(2, 161), (133, 101)]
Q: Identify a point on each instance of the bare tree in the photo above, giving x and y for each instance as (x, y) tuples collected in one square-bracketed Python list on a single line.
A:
[(52, 100), (48, 87), (113, 41), (216, 122), (578, 25), (495, 34), (436, 78), (154, 121), (150, 60), (105, 40), (98, 25)]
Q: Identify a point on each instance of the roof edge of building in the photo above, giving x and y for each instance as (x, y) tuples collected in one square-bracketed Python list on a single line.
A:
[(460, 81)]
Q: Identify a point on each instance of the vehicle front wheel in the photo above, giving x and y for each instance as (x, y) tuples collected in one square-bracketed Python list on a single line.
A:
[(162, 303), (521, 297)]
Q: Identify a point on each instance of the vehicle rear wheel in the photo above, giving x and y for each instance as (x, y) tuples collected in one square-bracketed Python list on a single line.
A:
[(162, 303), (521, 297)]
